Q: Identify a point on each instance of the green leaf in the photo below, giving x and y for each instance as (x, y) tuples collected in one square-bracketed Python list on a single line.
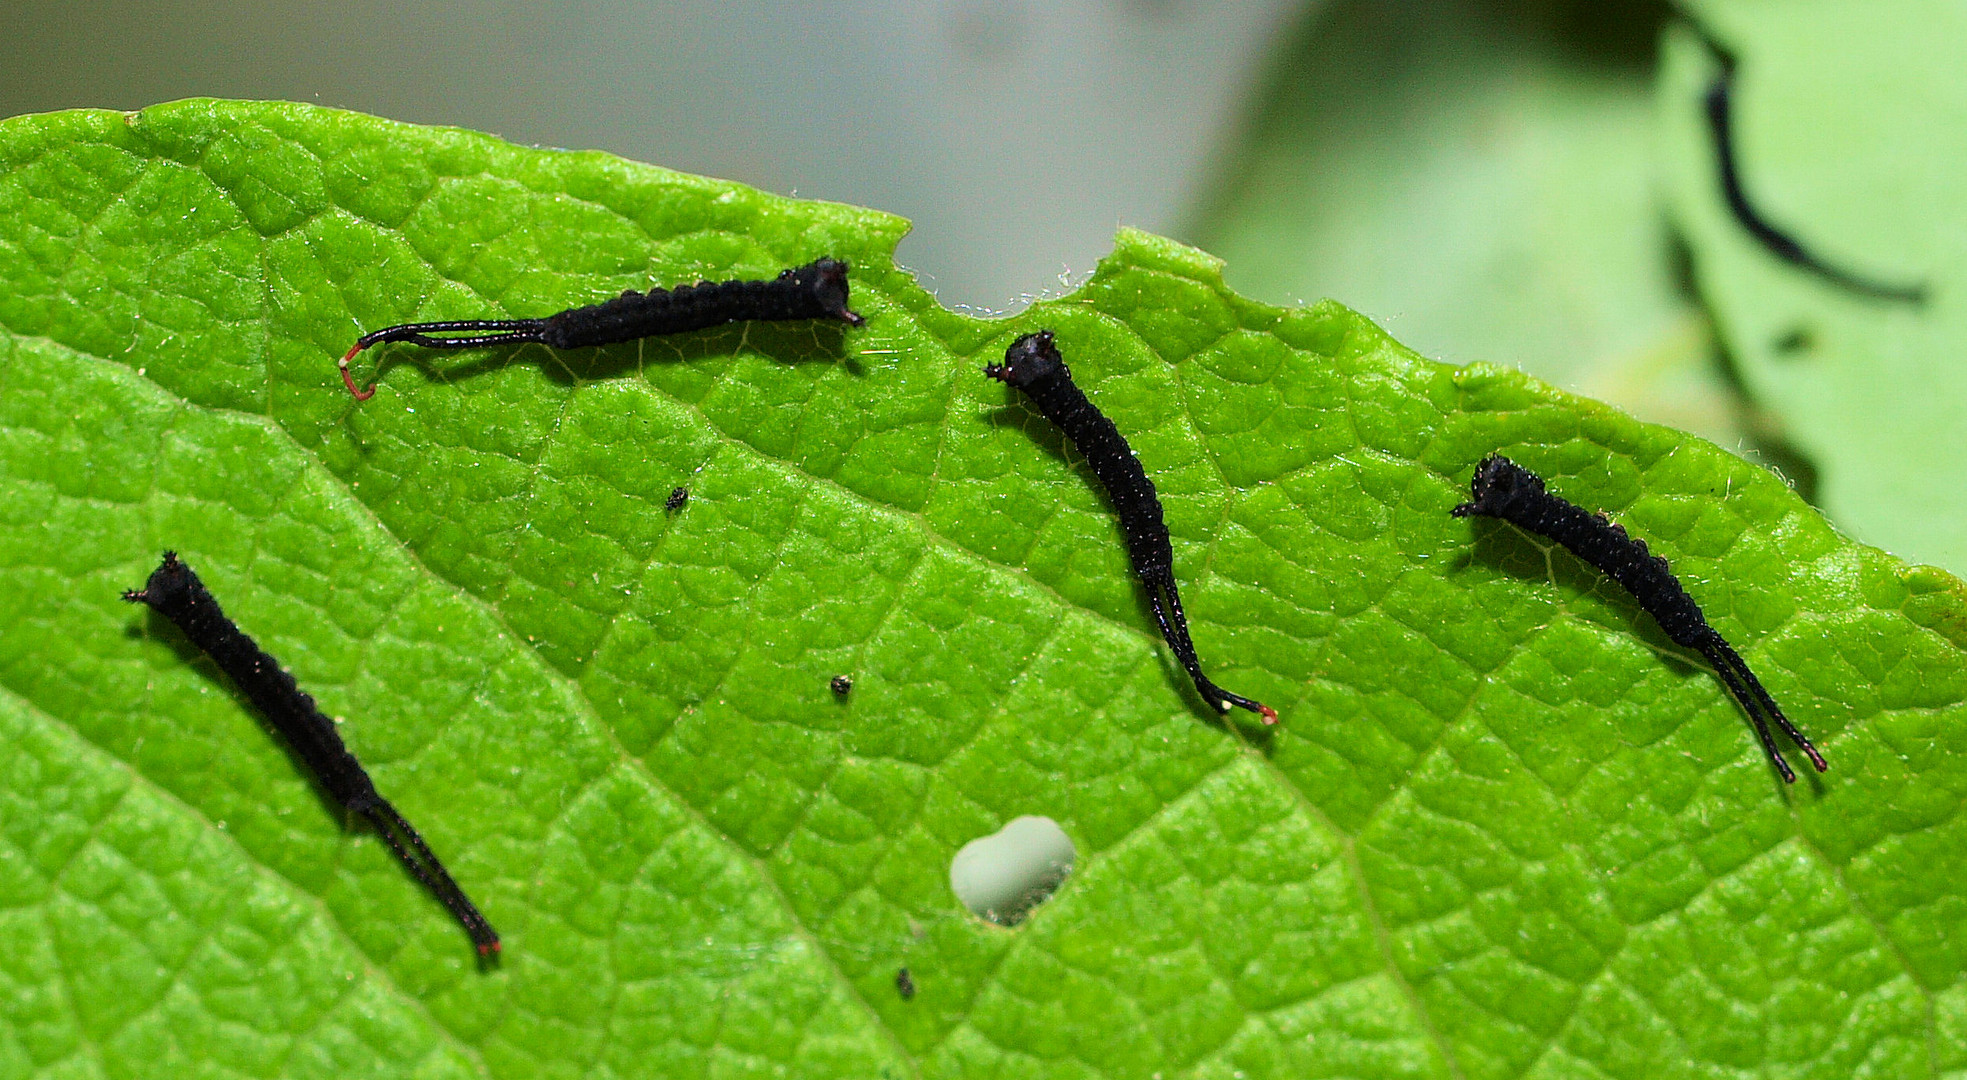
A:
[(1504, 828), (1480, 177), (1851, 126)]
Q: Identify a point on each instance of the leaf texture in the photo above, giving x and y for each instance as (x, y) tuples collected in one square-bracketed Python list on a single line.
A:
[(1505, 828)]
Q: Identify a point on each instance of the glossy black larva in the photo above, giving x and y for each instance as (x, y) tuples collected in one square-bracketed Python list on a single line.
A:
[(174, 592), (1032, 364), (1503, 489), (817, 290)]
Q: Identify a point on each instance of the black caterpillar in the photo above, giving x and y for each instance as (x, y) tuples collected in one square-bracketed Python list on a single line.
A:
[(817, 290), (1719, 105), (1032, 364), (174, 592), (1506, 490)]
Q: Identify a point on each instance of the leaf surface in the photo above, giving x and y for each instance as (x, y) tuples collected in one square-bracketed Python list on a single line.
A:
[(1504, 829)]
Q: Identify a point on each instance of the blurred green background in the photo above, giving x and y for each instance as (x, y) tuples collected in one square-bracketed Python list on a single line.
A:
[(1478, 178), (1514, 181)]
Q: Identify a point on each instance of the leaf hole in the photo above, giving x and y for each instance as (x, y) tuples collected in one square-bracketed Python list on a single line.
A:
[(1003, 876)]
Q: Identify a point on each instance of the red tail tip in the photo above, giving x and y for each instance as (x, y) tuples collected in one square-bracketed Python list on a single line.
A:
[(348, 380), (1269, 714), (488, 948)]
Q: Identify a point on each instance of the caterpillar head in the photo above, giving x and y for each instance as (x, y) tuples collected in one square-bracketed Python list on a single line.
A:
[(1498, 482), (825, 279), (1029, 359)]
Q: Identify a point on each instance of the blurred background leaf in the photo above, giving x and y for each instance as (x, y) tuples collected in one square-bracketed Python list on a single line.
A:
[(1851, 125), (1477, 176)]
